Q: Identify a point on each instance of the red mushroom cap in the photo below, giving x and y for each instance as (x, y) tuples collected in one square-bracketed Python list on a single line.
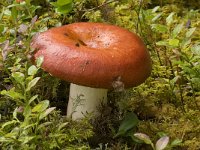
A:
[(93, 55)]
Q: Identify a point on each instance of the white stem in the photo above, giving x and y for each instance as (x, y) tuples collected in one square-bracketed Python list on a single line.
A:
[(83, 100)]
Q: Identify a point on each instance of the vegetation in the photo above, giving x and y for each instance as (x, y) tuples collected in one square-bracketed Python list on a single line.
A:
[(162, 113)]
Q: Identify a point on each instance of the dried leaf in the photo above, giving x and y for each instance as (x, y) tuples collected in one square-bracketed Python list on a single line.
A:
[(22, 28), (34, 19), (118, 85), (5, 50)]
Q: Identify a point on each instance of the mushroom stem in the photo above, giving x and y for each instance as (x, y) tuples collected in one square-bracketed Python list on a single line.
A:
[(83, 100)]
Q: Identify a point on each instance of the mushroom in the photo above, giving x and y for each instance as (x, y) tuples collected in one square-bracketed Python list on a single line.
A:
[(93, 57)]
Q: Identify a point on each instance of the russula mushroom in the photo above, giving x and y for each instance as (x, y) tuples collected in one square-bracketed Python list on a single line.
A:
[(94, 57)]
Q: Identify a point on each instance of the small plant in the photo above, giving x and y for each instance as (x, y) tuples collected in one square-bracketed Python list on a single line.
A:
[(63, 6), (30, 123), (33, 120), (161, 144), (126, 127)]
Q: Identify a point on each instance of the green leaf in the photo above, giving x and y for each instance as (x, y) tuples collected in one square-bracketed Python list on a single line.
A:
[(32, 83), (177, 30), (12, 134), (15, 113), (41, 106), (14, 14), (32, 70), (46, 112), (162, 43), (39, 61), (62, 125), (1, 28), (155, 9), (185, 42), (26, 139), (2, 12), (162, 143), (27, 111), (64, 9), (174, 42), (63, 6), (32, 99), (176, 142), (43, 125), (190, 32), (28, 2), (169, 19), (19, 77), (143, 137), (9, 123), (135, 139), (161, 134), (63, 2), (27, 125), (5, 140), (159, 28), (156, 17), (196, 49), (54, 4), (11, 93), (29, 78), (130, 121), (14, 5)]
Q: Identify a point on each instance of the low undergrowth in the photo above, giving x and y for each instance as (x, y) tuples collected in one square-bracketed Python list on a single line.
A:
[(162, 113)]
